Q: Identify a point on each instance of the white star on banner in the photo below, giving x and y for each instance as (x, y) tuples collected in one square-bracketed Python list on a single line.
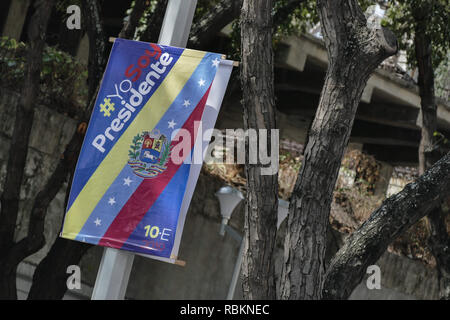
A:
[(112, 201), (127, 181), (215, 62), (201, 82), (172, 124), (186, 103), (97, 222)]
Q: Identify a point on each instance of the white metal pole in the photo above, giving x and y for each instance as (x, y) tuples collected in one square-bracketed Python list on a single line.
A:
[(236, 272), (113, 275), (283, 208), (177, 23), (115, 267)]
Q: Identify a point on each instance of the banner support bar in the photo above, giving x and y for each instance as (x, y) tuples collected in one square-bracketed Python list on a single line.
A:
[(235, 63)]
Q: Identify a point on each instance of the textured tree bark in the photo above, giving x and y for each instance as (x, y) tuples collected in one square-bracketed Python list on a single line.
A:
[(439, 243), (428, 153), (97, 47), (204, 31), (365, 246), (259, 113), (64, 252), (154, 23), (50, 277), (19, 148), (129, 28), (283, 12), (225, 12), (355, 49), (35, 238), (439, 240)]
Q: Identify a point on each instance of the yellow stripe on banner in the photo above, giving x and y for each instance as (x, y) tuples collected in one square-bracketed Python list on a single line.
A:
[(117, 158)]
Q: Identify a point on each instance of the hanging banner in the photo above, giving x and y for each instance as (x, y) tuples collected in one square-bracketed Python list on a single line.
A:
[(144, 145)]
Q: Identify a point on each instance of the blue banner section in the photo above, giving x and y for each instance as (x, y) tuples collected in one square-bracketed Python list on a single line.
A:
[(109, 206), (124, 91), (155, 233), (127, 182), (130, 180)]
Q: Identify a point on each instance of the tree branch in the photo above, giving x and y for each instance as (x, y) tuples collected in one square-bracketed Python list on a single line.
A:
[(18, 150), (429, 149), (97, 45), (204, 31), (284, 12), (226, 11), (154, 23), (35, 235), (22, 127), (365, 246), (130, 26), (439, 244), (68, 251), (355, 48)]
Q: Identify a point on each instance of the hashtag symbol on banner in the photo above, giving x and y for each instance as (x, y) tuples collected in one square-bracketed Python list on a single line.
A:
[(107, 107)]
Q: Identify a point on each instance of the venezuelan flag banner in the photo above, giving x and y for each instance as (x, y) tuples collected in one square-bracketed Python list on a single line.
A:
[(137, 171)]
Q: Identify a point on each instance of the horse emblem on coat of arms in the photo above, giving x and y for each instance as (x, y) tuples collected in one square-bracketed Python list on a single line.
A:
[(149, 154)]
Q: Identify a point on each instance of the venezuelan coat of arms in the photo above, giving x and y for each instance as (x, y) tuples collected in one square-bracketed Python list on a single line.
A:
[(149, 154)]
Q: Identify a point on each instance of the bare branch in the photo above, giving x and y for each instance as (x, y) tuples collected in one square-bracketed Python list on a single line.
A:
[(203, 32), (154, 23), (19, 146), (65, 252), (130, 26), (355, 49), (23, 123), (365, 246)]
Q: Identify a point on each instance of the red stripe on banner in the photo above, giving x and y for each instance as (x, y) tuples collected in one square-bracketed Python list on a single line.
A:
[(135, 209)]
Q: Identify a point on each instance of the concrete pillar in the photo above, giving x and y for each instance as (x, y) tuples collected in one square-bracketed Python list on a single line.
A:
[(15, 19), (354, 146), (83, 50), (381, 186)]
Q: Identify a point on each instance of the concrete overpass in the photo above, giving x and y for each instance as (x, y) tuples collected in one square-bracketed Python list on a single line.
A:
[(387, 123), (388, 120)]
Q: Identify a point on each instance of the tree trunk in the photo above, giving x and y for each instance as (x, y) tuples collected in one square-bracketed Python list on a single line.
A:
[(50, 276), (204, 31), (97, 50), (428, 151), (19, 148), (259, 113), (439, 240), (439, 243), (129, 28), (63, 253), (225, 12), (49, 269), (283, 13), (365, 246), (355, 49), (154, 23)]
